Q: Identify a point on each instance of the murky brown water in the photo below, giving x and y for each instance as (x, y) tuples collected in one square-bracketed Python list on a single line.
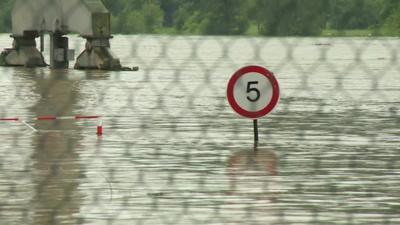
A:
[(173, 152)]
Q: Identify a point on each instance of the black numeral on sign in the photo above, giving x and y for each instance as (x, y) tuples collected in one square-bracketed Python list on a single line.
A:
[(251, 88)]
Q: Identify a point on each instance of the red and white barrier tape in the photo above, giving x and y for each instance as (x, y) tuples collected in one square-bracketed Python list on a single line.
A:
[(53, 118)]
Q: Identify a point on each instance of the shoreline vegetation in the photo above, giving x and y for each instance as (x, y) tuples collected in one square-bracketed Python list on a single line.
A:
[(325, 33), (253, 18)]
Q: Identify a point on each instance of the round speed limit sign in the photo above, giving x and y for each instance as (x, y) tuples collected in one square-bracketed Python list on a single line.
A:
[(253, 92)]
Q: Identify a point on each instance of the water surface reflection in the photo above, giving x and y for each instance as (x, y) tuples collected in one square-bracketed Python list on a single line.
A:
[(56, 169), (173, 150), (253, 178)]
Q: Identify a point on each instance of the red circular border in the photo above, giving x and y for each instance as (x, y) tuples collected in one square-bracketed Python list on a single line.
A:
[(275, 91)]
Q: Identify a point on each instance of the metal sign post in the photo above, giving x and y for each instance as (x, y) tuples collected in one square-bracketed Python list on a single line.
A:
[(256, 139)]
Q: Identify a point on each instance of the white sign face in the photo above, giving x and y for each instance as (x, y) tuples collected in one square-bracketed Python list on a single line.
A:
[(253, 92)]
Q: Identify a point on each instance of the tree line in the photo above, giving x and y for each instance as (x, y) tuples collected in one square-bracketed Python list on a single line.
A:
[(241, 17)]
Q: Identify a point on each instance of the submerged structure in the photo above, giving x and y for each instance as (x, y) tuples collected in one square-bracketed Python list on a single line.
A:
[(32, 19)]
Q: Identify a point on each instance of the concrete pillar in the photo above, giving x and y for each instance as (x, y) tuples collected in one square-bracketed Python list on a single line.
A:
[(97, 55), (58, 51), (23, 52)]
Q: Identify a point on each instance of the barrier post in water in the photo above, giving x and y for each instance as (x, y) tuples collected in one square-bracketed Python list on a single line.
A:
[(100, 128)]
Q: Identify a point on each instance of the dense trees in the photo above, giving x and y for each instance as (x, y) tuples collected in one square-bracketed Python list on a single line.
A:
[(391, 17), (212, 17), (238, 17), (135, 16), (288, 17), (5, 17), (354, 14)]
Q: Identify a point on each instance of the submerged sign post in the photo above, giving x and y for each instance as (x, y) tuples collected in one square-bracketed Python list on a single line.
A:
[(253, 92)]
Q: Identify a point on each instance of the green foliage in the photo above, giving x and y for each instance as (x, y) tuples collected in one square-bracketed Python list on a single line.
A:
[(354, 14), (291, 17), (389, 7), (169, 8), (5, 15), (245, 17), (391, 18), (135, 16), (391, 27), (222, 17)]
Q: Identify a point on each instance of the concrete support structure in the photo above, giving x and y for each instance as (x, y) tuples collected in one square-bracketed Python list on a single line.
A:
[(23, 53), (58, 51), (97, 55), (89, 18)]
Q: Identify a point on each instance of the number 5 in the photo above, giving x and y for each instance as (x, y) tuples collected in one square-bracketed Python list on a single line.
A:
[(253, 89)]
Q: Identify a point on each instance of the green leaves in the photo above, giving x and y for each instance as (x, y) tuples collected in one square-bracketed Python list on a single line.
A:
[(238, 17), (137, 16), (291, 17), (223, 17), (5, 16)]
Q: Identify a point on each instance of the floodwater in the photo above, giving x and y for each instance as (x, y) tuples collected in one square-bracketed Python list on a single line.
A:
[(173, 152)]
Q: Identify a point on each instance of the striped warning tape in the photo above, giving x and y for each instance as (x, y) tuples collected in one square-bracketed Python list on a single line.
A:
[(9, 119), (53, 118)]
